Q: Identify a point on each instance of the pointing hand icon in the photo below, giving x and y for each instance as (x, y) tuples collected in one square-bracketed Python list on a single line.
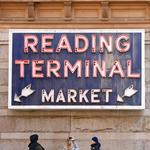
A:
[(25, 92)]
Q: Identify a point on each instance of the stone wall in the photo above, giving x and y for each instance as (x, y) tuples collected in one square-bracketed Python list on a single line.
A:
[(118, 130)]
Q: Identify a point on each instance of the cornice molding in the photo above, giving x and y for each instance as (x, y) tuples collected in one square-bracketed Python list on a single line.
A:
[(74, 11)]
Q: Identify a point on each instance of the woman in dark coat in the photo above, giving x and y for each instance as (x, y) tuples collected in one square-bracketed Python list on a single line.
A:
[(95, 144), (34, 145)]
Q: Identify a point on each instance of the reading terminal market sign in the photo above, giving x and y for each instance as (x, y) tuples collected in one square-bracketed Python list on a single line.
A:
[(76, 69)]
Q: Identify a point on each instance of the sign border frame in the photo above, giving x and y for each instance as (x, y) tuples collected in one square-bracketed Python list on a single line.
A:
[(80, 107)]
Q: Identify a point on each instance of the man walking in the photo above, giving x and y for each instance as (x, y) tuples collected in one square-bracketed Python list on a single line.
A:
[(34, 145)]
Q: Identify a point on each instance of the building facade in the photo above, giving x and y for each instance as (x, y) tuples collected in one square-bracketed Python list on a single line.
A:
[(117, 129)]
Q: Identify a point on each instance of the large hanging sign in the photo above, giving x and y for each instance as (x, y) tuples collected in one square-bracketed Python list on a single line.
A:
[(76, 69)]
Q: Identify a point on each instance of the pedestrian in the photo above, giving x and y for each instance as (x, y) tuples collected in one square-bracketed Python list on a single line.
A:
[(95, 144), (34, 145), (74, 143), (71, 144)]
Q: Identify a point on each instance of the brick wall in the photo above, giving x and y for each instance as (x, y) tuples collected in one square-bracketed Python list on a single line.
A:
[(119, 130)]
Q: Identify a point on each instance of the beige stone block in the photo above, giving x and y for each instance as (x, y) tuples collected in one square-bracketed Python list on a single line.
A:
[(3, 77), (77, 135), (81, 13), (128, 13), (4, 64), (3, 89), (3, 52), (42, 135), (122, 144), (107, 124), (146, 112), (3, 99), (109, 113), (147, 35), (147, 87), (131, 124), (147, 73), (62, 113), (93, 124), (14, 144), (34, 113), (7, 124), (49, 10), (42, 124), (147, 145), (147, 100), (53, 13), (147, 124), (147, 64), (88, 10), (147, 55), (4, 35), (34, 124), (13, 10)]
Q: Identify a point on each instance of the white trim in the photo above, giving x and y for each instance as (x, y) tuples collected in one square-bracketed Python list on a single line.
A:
[(85, 107), (10, 71), (68, 107), (76, 30), (143, 70)]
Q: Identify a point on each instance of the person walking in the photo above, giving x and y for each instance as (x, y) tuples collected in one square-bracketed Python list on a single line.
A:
[(34, 145), (74, 143), (71, 144), (95, 144)]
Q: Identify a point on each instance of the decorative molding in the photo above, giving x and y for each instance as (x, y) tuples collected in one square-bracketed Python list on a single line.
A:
[(0, 11), (30, 11), (148, 10), (105, 10), (67, 10), (74, 12)]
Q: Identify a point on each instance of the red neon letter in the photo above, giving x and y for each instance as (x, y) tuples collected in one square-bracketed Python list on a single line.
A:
[(78, 38), (76, 66), (47, 44), (101, 69), (87, 67), (93, 43), (22, 63), (53, 66), (36, 68), (63, 44), (129, 68), (103, 43), (121, 45), (30, 41), (116, 69)]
